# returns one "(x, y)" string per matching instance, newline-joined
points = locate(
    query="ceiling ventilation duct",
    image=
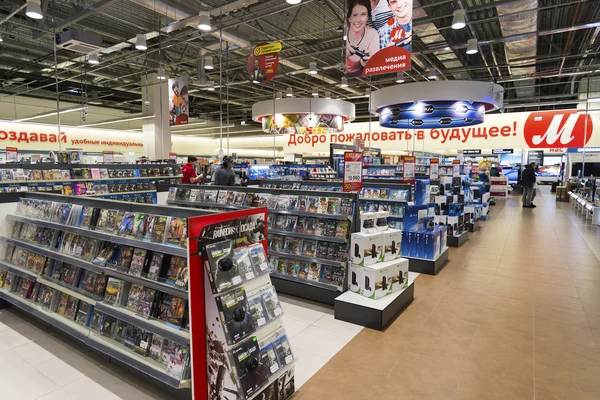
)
(523, 19)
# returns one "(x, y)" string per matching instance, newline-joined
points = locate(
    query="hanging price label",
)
(12, 154)
(408, 169)
(455, 168)
(353, 171)
(434, 169)
(108, 156)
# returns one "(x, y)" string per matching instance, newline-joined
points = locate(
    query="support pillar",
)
(156, 132)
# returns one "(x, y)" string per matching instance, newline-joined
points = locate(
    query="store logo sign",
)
(557, 129)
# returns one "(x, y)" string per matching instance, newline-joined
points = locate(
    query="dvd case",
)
(235, 315)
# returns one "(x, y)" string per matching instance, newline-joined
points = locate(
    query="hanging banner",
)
(375, 47)
(408, 169)
(434, 169)
(353, 161)
(12, 155)
(108, 156)
(263, 62)
(455, 168)
(178, 101)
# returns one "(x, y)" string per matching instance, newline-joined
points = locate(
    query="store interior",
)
(299, 199)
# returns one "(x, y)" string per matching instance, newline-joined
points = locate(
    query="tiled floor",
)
(514, 315)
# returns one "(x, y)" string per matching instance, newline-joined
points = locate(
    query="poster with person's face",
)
(379, 36)
(263, 62)
(179, 101)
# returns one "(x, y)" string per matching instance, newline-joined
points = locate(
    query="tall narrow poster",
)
(434, 169)
(455, 168)
(378, 39)
(263, 62)
(353, 161)
(179, 101)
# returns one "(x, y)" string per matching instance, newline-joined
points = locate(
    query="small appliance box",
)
(355, 278)
(366, 248)
(422, 190)
(377, 280)
(392, 241)
(400, 278)
(414, 216)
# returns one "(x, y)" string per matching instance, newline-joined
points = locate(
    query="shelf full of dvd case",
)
(375, 196)
(127, 181)
(112, 274)
(308, 234)
(249, 354)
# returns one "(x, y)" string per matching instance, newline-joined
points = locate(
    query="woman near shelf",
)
(363, 41)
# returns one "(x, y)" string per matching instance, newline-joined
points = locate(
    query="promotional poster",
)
(263, 62)
(178, 101)
(303, 123)
(378, 38)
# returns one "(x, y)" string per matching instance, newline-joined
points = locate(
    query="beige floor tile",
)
(569, 302)
(575, 334)
(475, 277)
(590, 276)
(589, 294)
(508, 320)
(470, 286)
(439, 347)
(480, 385)
(566, 354)
(492, 340)
(480, 269)
(393, 389)
(586, 284)
(506, 304)
(371, 357)
(552, 271)
(570, 291)
(447, 326)
(511, 292)
(430, 375)
(560, 314)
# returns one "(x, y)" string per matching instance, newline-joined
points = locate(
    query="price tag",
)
(434, 169)
(289, 359)
(249, 275)
(353, 171)
(236, 280)
(274, 368)
(143, 344)
(261, 321)
(455, 168)
(408, 169)
(277, 311)
(12, 154)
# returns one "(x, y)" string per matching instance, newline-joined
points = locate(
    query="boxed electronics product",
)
(381, 220)
(414, 217)
(400, 277)
(441, 201)
(368, 222)
(377, 280)
(408, 244)
(453, 225)
(354, 278)
(440, 219)
(422, 189)
(431, 210)
(366, 248)
(431, 244)
(443, 232)
(419, 241)
(392, 241)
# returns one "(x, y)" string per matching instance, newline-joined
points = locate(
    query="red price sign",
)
(434, 169)
(455, 168)
(352, 171)
(408, 169)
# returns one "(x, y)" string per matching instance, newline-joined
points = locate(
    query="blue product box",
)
(414, 217)
(419, 241)
(431, 245)
(408, 244)
(422, 189)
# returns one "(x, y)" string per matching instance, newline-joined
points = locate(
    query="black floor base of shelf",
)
(308, 292)
(4, 304)
(429, 267)
(372, 317)
(457, 241)
(472, 227)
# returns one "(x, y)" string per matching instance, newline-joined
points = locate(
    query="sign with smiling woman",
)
(378, 37)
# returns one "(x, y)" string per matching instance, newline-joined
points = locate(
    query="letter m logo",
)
(547, 129)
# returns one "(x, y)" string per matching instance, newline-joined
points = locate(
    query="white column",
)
(156, 131)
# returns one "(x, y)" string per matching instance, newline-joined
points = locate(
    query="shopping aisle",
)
(515, 314)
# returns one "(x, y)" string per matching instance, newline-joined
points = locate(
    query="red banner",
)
(353, 162)
(564, 128)
(263, 62)
(408, 169)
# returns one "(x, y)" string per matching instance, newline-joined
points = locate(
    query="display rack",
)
(294, 249)
(120, 289)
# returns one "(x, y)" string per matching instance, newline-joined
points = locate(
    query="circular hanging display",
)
(429, 105)
(303, 115)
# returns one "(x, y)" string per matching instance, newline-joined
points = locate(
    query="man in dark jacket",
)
(528, 184)
(224, 175)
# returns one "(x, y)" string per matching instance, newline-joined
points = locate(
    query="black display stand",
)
(374, 314)
(457, 241)
(308, 291)
(429, 267)
(472, 227)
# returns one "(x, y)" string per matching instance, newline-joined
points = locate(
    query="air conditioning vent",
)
(80, 41)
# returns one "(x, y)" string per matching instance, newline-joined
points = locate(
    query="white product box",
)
(368, 222)
(400, 278)
(381, 220)
(366, 248)
(355, 278)
(440, 219)
(392, 244)
(377, 280)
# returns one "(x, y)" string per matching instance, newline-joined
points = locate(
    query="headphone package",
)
(235, 315)
(222, 268)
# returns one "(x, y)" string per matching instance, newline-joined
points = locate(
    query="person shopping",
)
(224, 175)
(188, 171)
(528, 184)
